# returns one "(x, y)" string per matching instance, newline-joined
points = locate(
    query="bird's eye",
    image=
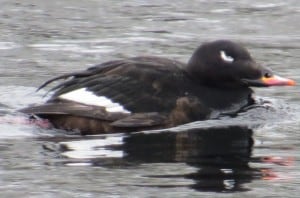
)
(225, 57)
(268, 75)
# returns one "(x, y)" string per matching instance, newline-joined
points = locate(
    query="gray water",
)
(253, 155)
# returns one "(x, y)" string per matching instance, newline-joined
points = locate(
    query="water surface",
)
(255, 154)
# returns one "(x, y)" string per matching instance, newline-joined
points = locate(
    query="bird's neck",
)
(227, 99)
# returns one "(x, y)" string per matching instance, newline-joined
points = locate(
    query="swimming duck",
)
(149, 92)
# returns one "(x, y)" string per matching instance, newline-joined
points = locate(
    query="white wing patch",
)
(89, 98)
(226, 57)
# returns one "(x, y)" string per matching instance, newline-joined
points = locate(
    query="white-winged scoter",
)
(152, 92)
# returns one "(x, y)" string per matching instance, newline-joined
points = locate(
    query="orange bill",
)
(277, 81)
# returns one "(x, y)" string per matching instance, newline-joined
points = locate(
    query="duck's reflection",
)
(192, 146)
(220, 154)
(219, 159)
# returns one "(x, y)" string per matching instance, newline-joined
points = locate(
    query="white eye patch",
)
(226, 57)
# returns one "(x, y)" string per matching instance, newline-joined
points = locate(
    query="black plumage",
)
(158, 92)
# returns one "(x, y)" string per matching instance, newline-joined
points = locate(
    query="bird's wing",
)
(131, 92)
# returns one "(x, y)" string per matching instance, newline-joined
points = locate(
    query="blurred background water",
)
(253, 155)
